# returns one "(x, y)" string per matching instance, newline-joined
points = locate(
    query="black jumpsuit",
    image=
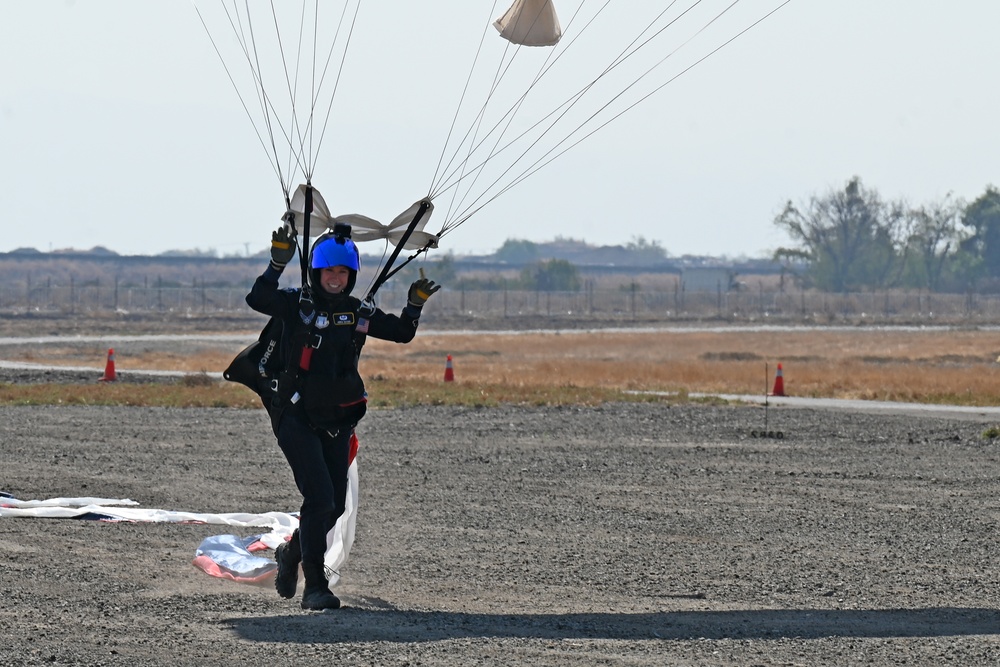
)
(318, 454)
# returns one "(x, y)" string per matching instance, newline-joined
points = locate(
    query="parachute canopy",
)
(530, 23)
(364, 228)
(519, 108)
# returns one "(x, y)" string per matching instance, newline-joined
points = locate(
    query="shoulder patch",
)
(343, 319)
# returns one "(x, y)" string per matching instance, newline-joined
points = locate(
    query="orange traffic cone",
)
(449, 371)
(779, 383)
(109, 369)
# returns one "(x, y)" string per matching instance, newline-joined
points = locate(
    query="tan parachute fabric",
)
(320, 217)
(530, 23)
(364, 228)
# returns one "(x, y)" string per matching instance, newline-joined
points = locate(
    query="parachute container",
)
(530, 23)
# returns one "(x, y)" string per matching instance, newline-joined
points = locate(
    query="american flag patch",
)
(362, 325)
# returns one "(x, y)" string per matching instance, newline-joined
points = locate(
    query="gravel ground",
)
(627, 534)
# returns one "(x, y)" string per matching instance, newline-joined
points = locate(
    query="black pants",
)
(319, 464)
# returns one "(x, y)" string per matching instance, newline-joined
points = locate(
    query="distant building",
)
(707, 278)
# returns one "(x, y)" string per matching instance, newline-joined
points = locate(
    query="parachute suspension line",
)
(547, 65)
(294, 157)
(246, 109)
(304, 146)
(271, 116)
(547, 158)
(438, 183)
(461, 101)
(300, 135)
(340, 70)
(472, 133)
(568, 104)
(295, 134)
(540, 162)
(256, 71)
(385, 250)
(311, 157)
(303, 150)
(475, 145)
(549, 62)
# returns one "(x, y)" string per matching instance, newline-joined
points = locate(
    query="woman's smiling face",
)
(334, 279)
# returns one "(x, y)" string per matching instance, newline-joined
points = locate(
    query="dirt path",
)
(628, 534)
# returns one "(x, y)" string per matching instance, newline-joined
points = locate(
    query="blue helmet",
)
(335, 249)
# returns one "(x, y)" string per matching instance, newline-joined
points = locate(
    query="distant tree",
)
(646, 252)
(441, 271)
(444, 269)
(517, 251)
(100, 250)
(934, 240)
(554, 275)
(194, 252)
(850, 239)
(982, 217)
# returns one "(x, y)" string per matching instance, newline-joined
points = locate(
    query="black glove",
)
(420, 291)
(282, 247)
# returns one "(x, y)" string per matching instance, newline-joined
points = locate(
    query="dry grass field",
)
(893, 364)
(940, 366)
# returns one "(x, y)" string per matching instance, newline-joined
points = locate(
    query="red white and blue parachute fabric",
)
(224, 556)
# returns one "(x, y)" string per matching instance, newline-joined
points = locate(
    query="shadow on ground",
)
(353, 624)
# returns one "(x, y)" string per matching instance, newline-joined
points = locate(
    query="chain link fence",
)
(625, 304)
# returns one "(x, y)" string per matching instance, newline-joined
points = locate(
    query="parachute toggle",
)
(364, 228)
(530, 23)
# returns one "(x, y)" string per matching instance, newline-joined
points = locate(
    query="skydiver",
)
(320, 395)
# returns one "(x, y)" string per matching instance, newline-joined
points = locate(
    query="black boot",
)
(317, 594)
(288, 555)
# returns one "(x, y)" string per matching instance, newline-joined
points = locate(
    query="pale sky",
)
(120, 128)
